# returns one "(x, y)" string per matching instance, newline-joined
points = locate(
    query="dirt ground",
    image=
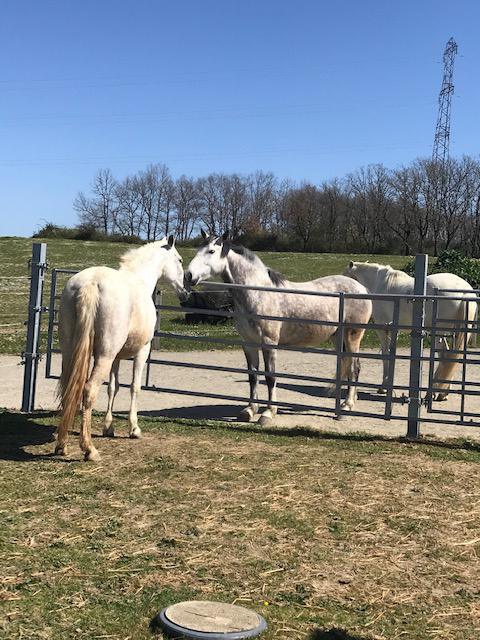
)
(316, 411)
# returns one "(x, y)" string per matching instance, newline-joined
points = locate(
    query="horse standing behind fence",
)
(238, 265)
(110, 314)
(379, 278)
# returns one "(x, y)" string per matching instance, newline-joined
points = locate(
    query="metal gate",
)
(402, 401)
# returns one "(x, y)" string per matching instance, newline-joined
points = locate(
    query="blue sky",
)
(307, 89)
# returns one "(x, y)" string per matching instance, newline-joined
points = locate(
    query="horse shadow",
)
(334, 634)
(220, 417)
(323, 392)
(18, 431)
(222, 412)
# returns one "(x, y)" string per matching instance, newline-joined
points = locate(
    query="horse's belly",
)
(140, 333)
(304, 335)
(134, 343)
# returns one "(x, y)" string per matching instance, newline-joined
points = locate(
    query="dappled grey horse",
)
(236, 264)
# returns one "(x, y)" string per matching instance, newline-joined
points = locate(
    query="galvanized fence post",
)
(31, 355)
(416, 349)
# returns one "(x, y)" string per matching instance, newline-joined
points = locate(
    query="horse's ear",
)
(226, 236)
(204, 235)
(171, 241)
(225, 249)
(350, 264)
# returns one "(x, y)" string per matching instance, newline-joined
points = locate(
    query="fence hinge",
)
(42, 265)
(31, 356)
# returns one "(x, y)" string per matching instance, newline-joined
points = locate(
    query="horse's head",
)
(173, 267)
(209, 261)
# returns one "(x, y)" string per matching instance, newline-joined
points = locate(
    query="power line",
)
(172, 158)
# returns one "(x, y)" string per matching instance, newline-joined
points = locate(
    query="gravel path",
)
(316, 411)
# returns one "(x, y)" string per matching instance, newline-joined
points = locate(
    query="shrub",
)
(83, 232)
(452, 261)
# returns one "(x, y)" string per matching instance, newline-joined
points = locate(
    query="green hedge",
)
(452, 261)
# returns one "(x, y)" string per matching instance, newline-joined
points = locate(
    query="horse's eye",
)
(212, 251)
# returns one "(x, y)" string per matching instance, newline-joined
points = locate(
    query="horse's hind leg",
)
(138, 364)
(446, 366)
(100, 371)
(353, 337)
(113, 387)
(269, 358)
(384, 345)
(252, 357)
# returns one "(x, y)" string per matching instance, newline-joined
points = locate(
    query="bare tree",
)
(129, 217)
(302, 213)
(187, 206)
(101, 210)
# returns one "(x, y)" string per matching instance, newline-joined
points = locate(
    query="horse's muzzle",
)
(189, 281)
(183, 295)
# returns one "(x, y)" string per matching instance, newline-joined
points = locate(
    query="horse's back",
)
(448, 286)
(125, 315)
(356, 309)
(448, 281)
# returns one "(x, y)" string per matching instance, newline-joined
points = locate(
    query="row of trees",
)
(421, 207)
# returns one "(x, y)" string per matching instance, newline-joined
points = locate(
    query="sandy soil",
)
(316, 411)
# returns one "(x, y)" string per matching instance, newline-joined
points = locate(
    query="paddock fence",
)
(410, 368)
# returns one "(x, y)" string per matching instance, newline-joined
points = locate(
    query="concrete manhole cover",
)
(210, 621)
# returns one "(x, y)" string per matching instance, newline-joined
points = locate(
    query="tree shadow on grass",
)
(19, 430)
(334, 634)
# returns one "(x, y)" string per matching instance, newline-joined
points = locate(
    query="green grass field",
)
(317, 532)
(78, 255)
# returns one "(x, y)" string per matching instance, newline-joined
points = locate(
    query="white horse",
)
(238, 265)
(110, 314)
(379, 278)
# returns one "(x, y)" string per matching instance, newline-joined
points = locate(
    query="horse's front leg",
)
(113, 387)
(384, 337)
(138, 364)
(252, 357)
(269, 358)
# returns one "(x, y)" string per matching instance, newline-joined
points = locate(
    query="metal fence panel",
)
(415, 391)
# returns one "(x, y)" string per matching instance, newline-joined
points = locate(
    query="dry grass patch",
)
(377, 537)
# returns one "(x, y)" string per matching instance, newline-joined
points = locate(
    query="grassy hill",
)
(74, 254)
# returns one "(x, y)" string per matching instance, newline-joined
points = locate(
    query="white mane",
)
(395, 277)
(134, 258)
(385, 274)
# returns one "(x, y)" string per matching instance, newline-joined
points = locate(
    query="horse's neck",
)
(149, 271)
(240, 270)
(370, 278)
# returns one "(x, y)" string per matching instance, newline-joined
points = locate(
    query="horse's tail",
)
(75, 369)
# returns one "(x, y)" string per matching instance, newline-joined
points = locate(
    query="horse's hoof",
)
(108, 432)
(346, 406)
(264, 421)
(92, 456)
(246, 415)
(382, 391)
(60, 450)
(441, 397)
(136, 434)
